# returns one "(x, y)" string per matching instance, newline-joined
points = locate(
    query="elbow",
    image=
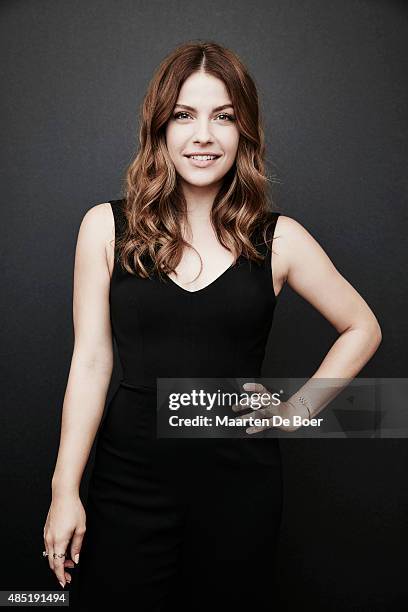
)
(377, 332)
(371, 332)
(375, 335)
(379, 338)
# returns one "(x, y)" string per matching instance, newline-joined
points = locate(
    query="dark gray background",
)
(332, 81)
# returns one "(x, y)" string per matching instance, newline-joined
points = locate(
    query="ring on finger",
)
(55, 555)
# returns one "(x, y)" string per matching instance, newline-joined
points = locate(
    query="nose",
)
(203, 131)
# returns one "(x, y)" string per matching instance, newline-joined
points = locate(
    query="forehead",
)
(203, 91)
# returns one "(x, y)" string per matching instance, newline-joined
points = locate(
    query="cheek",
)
(169, 137)
(174, 141)
(231, 144)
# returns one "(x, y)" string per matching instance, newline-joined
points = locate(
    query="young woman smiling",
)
(181, 272)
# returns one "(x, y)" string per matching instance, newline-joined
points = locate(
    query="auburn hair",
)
(153, 201)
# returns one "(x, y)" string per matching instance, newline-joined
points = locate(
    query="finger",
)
(49, 548)
(258, 414)
(248, 387)
(76, 544)
(246, 406)
(239, 407)
(59, 549)
(258, 411)
(244, 418)
(68, 577)
(255, 429)
(68, 563)
(254, 387)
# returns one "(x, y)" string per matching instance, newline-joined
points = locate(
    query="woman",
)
(170, 521)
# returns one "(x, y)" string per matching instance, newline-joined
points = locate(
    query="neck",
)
(199, 201)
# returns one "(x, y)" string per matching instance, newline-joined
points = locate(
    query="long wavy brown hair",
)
(154, 203)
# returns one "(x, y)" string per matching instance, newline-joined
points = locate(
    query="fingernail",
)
(77, 558)
(61, 583)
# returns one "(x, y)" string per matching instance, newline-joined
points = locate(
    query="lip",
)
(202, 163)
(202, 153)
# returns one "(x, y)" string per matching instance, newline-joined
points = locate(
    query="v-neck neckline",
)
(218, 278)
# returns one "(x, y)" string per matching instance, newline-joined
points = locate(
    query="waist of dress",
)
(150, 384)
(139, 386)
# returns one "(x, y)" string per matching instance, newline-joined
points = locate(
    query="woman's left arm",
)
(311, 274)
(304, 265)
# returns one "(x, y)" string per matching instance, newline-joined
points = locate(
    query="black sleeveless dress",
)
(182, 523)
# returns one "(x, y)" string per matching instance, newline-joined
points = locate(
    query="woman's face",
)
(202, 128)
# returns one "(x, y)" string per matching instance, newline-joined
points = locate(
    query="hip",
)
(129, 430)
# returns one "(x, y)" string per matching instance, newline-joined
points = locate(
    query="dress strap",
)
(265, 248)
(119, 218)
(270, 237)
(267, 263)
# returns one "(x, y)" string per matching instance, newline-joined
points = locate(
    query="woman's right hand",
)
(66, 520)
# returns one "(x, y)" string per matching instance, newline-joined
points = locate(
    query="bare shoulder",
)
(291, 241)
(98, 228)
(289, 230)
(297, 245)
(286, 234)
(98, 218)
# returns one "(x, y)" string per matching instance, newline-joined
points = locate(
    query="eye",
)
(177, 115)
(230, 117)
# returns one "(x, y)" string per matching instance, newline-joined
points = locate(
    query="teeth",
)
(203, 157)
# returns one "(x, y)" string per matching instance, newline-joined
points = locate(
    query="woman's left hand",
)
(283, 410)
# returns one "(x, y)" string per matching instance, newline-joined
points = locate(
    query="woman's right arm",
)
(87, 386)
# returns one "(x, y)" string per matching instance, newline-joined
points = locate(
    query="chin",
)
(196, 178)
(204, 182)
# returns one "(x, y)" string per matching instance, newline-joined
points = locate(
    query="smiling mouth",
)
(203, 157)
(203, 162)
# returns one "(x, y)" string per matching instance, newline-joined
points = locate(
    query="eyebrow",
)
(217, 108)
